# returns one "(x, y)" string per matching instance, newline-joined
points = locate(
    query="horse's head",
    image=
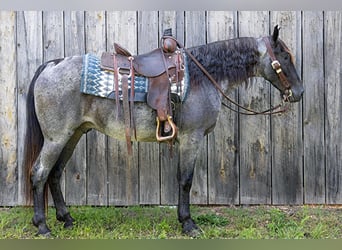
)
(277, 66)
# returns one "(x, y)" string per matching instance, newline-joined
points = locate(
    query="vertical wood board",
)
(313, 75)
(195, 34)
(76, 168)
(223, 155)
(123, 170)
(29, 57)
(287, 145)
(333, 111)
(169, 163)
(149, 167)
(97, 188)
(255, 148)
(8, 110)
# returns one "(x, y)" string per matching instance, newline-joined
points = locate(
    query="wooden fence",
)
(295, 158)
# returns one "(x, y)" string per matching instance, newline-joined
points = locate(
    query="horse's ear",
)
(275, 34)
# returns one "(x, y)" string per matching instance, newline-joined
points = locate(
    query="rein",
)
(275, 65)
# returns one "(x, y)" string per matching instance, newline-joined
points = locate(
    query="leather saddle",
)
(162, 66)
(150, 64)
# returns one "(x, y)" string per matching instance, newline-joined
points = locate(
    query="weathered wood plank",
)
(8, 110)
(195, 34)
(53, 42)
(313, 76)
(255, 148)
(123, 171)
(287, 144)
(29, 57)
(76, 168)
(53, 35)
(333, 112)
(149, 168)
(223, 163)
(169, 164)
(97, 188)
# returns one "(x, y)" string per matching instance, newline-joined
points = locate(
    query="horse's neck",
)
(233, 60)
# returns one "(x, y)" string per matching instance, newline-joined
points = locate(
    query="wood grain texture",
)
(287, 143)
(149, 167)
(313, 75)
(53, 48)
(255, 147)
(223, 154)
(76, 168)
(8, 110)
(195, 34)
(97, 188)
(29, 57)
(333, 112)
(169, 163)
(123, 170)
(53, 42)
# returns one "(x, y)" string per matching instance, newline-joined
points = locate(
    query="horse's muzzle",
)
(293, 94)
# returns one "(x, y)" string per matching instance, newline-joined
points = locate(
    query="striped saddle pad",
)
(99, 82)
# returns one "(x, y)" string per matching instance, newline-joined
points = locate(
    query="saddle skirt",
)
(100, 82)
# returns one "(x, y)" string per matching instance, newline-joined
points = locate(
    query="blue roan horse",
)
(58, 114)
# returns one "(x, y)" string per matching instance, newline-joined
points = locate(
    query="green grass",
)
(146, 222)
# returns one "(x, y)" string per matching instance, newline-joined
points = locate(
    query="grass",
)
(146, 222)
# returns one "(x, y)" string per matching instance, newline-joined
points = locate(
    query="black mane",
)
(233, 60)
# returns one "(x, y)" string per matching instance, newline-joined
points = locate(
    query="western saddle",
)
(162, 66)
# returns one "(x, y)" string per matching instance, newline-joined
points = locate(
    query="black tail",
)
(34, 138)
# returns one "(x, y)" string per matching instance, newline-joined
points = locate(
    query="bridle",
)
(277, 68)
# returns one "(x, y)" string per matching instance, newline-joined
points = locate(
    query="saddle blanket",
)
(99, 82)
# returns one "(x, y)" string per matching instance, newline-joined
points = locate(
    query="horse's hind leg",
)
(40, 172)
(62, 213)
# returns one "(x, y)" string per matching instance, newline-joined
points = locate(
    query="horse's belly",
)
(144, 129)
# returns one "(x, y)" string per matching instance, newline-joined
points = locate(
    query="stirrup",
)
(161, 138)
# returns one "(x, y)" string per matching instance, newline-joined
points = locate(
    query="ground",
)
(160, 222)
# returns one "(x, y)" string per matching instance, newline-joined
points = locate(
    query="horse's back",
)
(61, 107)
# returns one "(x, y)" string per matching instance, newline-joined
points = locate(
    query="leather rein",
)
(275, 65)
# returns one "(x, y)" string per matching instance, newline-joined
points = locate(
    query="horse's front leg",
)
(189, 147)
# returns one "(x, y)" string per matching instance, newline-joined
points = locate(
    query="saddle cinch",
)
(162, 66)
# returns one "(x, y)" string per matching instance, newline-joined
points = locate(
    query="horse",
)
(58, 114)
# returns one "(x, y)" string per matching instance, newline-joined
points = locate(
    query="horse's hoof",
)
(68, 225)
(67, 219)
(191, 229)
(46, 233)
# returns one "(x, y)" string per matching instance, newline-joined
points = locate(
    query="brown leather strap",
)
(218, 87)
(125, 104)
(132, 97)
(116, 86)
(276, 64)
